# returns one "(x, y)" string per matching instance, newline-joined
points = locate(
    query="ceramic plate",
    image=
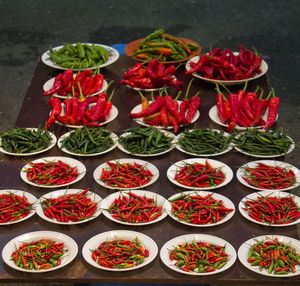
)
(160, 201)
(140, 121)
(227, 203)
(241, 172)
(72, 162)
(189, 238)
(52, 195)
(263, 67)
(49, 84)
(244, 248)
(51, 145)
(70, 244)
(113, 136)
(149, 166)
(178, 147)
(112, 57)
(292, 147)
(132, 46)
(96, 240)
(213, 115)
(254, 196)
(30, 198)
(169, 134)
(112, 115)
(173, 169)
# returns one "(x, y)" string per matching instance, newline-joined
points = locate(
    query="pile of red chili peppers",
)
(120, 253)
(225, 65)
(51, 173)
(247, 108)
(165, 111)
(272, 209)
(154, 75)
(65, 84)
(197, 209)
(199, 175)
(13, 207)
(199, 257)
(125, 175)
(135, 209)
(90, 111)
(265, 176)
(69, 207)
(41, 254)
(276, 257)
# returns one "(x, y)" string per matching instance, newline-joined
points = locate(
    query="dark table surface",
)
(35, 111)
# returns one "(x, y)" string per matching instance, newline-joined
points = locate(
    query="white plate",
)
(241, 172)
(160, 201)
(292, 147)
(113, 136)
(96, 240)
(140, 121)
(213, 115)
(149, 166)
(254, 196)
(70, 244)
(52, 195)
(112, 115)
(178, 147)
(30, 198)
(227, 203)
(49, 84)
(169, 134)
(189, 238)
(173, 169)
(70, 161)
(113, 56)
(244, 248)
(52, 144)
(263, 67)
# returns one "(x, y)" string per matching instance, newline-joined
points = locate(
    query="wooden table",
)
(35, 111)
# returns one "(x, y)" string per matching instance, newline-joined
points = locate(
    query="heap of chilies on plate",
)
(66, 84)
(226, 65)
(247, 108)
(154, 75)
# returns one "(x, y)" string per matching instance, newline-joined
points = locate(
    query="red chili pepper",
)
(153, 107)
(98, 84)
(193, 107)
(75, 107)
(56, 110)
(57, 85)
(273, 108)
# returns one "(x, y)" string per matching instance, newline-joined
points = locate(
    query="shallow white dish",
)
(51, 145)
(112, 115)
(49, 84)
(292, 147)
(241, 172)
(52, 195)
(169, 134)
(174, 168)
(113, 136)
(227, 203)
(70, 161)
(178, 147)
(160, 201)
(263, 67)
(189, 238)
(254, 196)
(30, 198)
(244, 248)
(96, 240)
(213, 115)
(113, 56)
(149, 166)
(140, 121)
(70, 244)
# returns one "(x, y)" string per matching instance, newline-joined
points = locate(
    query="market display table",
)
(35, 111)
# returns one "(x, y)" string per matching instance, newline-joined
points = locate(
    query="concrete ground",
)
(28, 27)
